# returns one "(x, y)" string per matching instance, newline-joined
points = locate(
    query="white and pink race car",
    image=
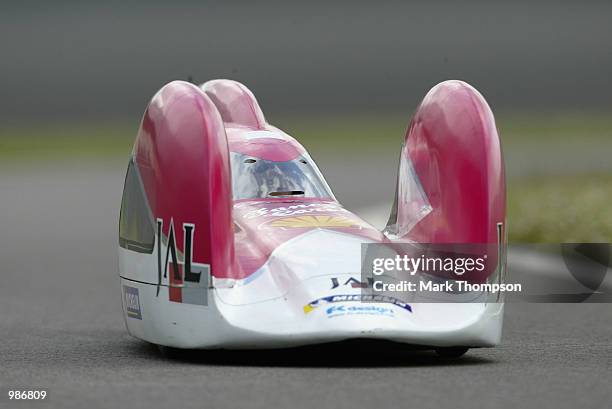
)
(230, 237)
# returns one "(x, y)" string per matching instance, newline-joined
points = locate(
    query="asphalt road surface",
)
(62, 330)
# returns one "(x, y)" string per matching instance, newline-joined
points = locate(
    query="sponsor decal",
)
(339, 310)
(352, 281)
(292, 210)
(315, 221)
(187, 280)
(132, 302)
(367, 298)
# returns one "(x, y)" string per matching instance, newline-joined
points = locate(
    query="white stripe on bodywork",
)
(264, 134)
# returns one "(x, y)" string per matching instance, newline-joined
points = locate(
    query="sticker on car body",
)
(342, 309)
(131, 299)
(364, 298)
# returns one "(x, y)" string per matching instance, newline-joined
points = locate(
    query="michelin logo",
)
(132, 302)
(366, 298)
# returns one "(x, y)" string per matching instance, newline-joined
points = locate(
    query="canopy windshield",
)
(254, 178)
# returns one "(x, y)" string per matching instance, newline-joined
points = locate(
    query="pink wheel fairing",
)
(181, 152)
(235, 102)
(453, 148)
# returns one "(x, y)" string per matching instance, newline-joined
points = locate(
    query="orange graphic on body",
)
(315, 221)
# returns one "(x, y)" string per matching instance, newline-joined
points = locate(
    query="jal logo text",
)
(180, 271)
(352, 282)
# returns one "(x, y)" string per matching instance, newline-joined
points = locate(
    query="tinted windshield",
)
(257, 178)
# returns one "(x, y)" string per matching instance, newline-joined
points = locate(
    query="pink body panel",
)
(270, 143)
(244, 119)
(453, 145)
(263, 225)
(181, 152)
(235, 102)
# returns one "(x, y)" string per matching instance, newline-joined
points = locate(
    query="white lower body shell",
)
(285, 322)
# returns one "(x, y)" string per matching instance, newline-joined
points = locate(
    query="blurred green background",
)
(559, 181)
